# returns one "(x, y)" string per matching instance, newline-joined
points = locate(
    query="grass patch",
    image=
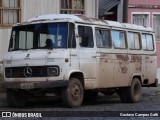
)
(1, 83)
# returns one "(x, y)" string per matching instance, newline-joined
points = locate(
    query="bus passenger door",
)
(105, 69)
(121, 69)
(121, 58)
(87, 55)
(105, 60)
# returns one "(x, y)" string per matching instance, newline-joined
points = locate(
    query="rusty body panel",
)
(106, 66)
(118, 69)
(151, 64)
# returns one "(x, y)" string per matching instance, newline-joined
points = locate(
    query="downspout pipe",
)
(125, 11)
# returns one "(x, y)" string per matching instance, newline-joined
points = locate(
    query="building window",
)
(156, 25)
(141, 19)
(10, 11)
(72, 7)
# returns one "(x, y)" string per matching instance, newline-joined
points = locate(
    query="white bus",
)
(76, 57)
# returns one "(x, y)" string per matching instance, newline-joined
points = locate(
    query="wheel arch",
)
(138, 76)
(78, 74)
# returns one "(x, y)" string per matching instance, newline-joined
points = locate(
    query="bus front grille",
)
(26, 72)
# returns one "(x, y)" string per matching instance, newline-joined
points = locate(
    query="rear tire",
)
(131, 94)
(16, 98)
(72, 95)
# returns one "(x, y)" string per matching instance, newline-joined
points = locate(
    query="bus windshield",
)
(39, 36)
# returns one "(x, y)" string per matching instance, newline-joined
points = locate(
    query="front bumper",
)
(35, 85)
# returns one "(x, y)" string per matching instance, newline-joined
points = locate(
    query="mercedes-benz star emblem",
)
(27, 72)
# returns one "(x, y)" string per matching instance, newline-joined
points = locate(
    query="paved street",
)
(149, 102)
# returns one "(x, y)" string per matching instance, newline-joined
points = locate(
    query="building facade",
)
(16, 11)
(112, 10)
(147, 13)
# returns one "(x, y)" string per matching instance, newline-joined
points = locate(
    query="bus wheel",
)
(72, 95)
(131, 94)
(16, 98)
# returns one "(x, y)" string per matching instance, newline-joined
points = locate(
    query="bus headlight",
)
(52, 71)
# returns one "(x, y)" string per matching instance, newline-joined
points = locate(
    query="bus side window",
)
(118, 38)
(102, 38)
(85, 36)
(134, 40)
(150, 42)
(147, 42)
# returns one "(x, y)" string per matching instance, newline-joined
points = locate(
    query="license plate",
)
(26, 85)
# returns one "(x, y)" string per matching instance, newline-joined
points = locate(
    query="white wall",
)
(158, 75)
(31, 8)
(90, 8)
(4, 41)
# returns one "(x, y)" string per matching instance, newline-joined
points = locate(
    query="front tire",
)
(72, 95)
(131, 94)
(16, 98)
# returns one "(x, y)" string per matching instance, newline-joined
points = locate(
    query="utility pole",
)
(125, 11)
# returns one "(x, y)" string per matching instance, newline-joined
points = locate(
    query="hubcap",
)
(136, 90)
(75, 93)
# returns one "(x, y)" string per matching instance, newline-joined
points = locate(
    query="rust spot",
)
(123, 62)
(138, 66)
(122, 57)
(136, 58)
(102, 55)
(104, 58)
(123, 67)
(147, 57)
(105, 61)
(92, 20)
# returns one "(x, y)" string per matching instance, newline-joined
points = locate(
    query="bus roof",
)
(84, 19)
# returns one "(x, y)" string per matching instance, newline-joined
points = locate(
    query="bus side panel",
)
(105, 72)
(137, 66)
(121, 69)
(151, 68)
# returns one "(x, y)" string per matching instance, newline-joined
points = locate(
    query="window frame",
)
(146, 41)
(155, 13)
(140, 41)
(125, 36)
(72, 10)
(69, 43)
(141, 13)
(79, 42)
(3, 8)
(110, 38)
